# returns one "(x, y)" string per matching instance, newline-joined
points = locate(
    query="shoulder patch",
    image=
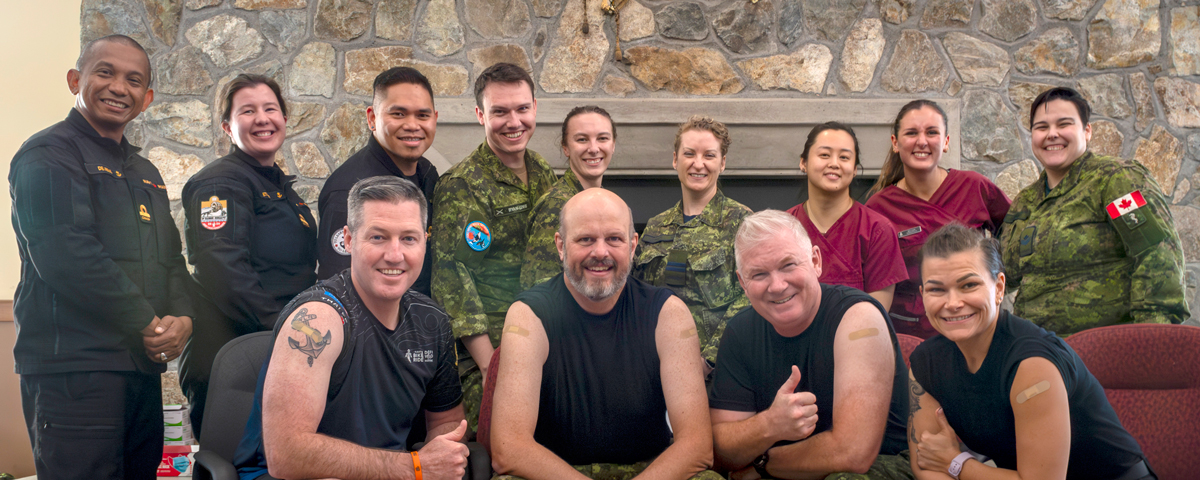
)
(338, 239)
(478, 236)
(214, 213)
(1125, 204)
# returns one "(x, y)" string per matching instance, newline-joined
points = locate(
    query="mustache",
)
(606, 262)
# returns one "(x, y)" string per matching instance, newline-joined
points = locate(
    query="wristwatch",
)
(760, 464)
(957, 464)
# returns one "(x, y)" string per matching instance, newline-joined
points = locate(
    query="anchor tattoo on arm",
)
(314, 342)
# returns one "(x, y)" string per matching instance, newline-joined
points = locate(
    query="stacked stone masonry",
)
(1137, 61)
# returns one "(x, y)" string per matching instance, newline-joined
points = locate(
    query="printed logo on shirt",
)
(142, 212)
(419, 356)
(338, 239)
(910, 232)
(478, 236)
(214, 212)
(1127, 203)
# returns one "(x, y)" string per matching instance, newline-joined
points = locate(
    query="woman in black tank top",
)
(1003, 386)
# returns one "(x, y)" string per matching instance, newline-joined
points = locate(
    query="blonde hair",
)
(707, 124)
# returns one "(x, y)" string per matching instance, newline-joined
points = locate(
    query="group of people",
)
(762, 345)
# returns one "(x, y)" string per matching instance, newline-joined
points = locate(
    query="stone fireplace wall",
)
(1137, 61)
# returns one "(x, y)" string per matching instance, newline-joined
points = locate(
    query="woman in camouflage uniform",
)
(588, 140)
(1091, 242)
(689, 248)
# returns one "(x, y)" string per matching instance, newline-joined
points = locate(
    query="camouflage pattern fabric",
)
(885, 467)
(1078, 266)
(481, 209)
(472, 386)
(541, 255)
(709, 284)
(612, 471)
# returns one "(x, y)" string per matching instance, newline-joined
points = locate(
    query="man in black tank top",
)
(594, 363)
(782, 363)
(358, 357)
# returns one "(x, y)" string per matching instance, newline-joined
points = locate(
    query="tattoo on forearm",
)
(314, 342)
(915, 391)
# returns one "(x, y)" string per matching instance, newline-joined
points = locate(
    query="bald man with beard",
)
(599, 361)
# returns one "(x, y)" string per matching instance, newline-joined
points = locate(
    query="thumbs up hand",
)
(938, 448)
(793, 415)
(444, 458)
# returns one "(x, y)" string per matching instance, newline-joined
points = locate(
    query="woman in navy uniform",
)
(250, 238)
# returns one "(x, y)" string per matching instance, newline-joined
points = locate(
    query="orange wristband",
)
(416, 465)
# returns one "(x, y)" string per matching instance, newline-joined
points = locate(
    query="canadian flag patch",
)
(1127, 203)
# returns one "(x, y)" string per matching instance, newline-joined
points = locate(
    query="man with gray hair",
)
(358, 356)
(783, 363)
(594, 364)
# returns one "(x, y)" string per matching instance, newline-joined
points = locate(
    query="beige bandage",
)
(864, 333)
(1033, 391)
(688, 332)
(517, 330)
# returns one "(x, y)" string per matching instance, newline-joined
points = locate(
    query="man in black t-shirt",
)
(783, 363)
(593, 360)
(358, 357)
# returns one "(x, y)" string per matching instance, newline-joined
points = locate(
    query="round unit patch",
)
(338, 239)
(478, 236)
(213, 213)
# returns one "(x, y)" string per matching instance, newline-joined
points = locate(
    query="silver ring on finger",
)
(163, 356)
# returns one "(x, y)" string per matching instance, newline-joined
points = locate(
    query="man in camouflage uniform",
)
(709, 284)
(541, 256)
(1098, 249)
(481, 208)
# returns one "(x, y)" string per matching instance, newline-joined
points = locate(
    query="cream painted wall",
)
(40, 42)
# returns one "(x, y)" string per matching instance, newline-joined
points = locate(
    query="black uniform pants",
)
(94, 424)
(210, 332)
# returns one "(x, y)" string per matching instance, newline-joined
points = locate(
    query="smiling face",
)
(403, 121)
(112, 87)
(386, 251)
(596, 246)
(256, 123)
(589, 146)
(962, 300)
(831, 161)
(1059, 137)
(921, 139)
(698, 161)
(508, 117)
(780, 276)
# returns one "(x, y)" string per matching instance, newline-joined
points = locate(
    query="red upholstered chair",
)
(1151, 375)
(908, 343)
(484, 435)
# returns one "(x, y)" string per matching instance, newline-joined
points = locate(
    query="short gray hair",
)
(765, 225)
(384, 188)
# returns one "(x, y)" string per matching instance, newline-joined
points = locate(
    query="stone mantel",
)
(768, 133)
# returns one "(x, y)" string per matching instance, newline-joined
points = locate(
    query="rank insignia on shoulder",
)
(302, 220)
(214, 213)
(1127, 203)
(478, 236)
(143, 213)
(338, 239)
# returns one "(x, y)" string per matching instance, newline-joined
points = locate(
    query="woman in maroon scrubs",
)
(919, 197)
(857, 245)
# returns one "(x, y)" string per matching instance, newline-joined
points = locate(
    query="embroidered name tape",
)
(1128, 203)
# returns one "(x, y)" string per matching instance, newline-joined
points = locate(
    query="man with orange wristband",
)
(358, 358)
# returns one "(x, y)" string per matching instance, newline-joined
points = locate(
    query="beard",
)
(598, 290)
